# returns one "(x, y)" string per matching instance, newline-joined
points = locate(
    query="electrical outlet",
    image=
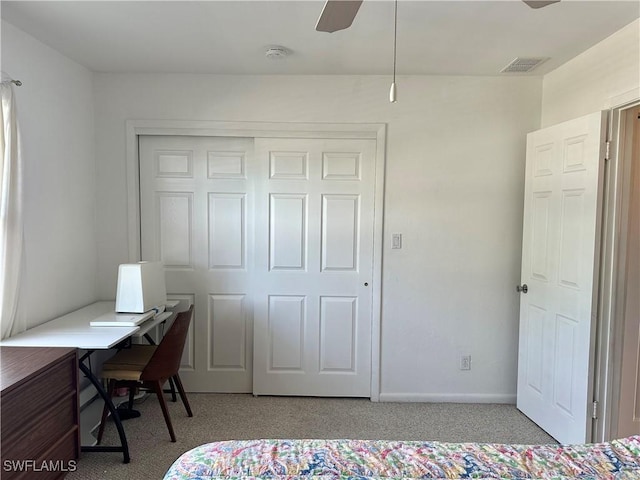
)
(465, 362)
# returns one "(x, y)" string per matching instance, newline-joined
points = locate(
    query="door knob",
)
(522, 288)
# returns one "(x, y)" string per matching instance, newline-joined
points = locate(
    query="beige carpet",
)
(224, 417)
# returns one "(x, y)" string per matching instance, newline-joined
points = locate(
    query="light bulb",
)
(392, 93)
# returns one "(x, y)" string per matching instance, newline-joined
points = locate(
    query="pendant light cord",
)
(392, 90)
(395, 38)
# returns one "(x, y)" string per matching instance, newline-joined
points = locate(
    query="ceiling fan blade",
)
(539, 3)
(337, 15)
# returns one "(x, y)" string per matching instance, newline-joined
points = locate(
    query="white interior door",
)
(314, 265)
(562, 209)
(196, 217)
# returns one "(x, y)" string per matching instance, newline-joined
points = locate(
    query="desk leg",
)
(124, 448)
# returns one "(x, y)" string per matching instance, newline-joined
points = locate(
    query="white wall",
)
(454, 187)
(589, 82)
(55, 113)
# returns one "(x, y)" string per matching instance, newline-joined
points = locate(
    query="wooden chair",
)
(150, 367)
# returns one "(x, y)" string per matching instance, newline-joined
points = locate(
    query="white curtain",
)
(11, 226)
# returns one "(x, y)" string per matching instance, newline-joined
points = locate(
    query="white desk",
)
(74, 330)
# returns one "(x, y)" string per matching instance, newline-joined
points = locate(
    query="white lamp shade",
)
(141, 287)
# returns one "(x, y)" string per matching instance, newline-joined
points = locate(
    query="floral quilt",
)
(379, 459)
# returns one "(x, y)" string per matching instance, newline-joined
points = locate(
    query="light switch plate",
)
(396, 241)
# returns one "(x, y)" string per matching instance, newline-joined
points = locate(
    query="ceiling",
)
(453, 37)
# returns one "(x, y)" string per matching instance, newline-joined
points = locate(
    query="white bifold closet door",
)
(271, 235)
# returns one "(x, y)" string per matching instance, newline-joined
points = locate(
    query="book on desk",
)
(112, 319)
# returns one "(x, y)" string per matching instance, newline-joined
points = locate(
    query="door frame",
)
(375, 131)
(610, 327)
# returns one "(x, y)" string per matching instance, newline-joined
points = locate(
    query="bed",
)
(380, 459)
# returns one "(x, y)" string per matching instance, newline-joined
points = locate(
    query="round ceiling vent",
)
(276, 53)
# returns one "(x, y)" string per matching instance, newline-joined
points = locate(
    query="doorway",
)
(616, 402)
(626, 406)
(614, 409)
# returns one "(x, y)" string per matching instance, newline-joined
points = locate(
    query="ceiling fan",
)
(339, 14)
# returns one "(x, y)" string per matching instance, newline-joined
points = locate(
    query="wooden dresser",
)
(40, 435)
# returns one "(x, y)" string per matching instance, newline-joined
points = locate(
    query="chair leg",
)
(183, 395)
(105, 410)
(132, 394)
(157, 386)
(173, 390)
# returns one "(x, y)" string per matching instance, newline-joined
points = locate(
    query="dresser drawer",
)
(38, 432)
(40, 393)
(55, 463)
(39, 412)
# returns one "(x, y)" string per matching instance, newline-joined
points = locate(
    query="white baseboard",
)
(448, 398)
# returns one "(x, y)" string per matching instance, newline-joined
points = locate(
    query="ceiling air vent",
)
(521, 65)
